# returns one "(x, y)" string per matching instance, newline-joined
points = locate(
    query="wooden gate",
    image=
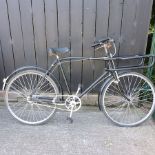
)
(29, 27)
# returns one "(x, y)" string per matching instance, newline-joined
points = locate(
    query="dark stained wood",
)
(6, 43)
(51, 29)
(134, 33)
(39, 32)
(76, 42)
(129, 27)
(88, 39)
(64, 33)
(16, 33)
(115, 20)
(51, 26)
(102, 23)
(142, 27)
(27, 27)
(2, 70)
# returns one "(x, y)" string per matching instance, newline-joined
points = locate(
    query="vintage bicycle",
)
(127, 98)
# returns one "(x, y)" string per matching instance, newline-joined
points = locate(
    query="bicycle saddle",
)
(58, 50)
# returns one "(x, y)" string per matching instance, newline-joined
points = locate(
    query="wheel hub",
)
(29, 99)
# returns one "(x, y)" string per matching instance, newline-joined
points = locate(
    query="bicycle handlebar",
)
(100, 42)
(105, 43)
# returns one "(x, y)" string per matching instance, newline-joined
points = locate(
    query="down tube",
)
(95, 83)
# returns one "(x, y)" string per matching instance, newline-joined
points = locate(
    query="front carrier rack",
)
(137, 62)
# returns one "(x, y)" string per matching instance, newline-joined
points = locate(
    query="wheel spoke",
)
(139, 106)
(19, 100)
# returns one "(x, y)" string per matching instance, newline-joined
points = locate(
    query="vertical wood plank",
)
(52, 30)
(128, 32)
(102, 17)
(88, 39)
(115, 21)
(64, 33)
(51, 26)
(6, 38)
(27, 27)
(135, 29)
(2, 70)
(16, 32)
(76, 42)
(143, 22)
(39, 32)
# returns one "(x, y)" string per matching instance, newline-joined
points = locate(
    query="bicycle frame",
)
(111, 71)
(104, 76)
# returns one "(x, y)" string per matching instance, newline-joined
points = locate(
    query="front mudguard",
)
(102, 89)
(5, 80)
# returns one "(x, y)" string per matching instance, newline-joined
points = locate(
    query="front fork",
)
(116, 77)
(112, 66)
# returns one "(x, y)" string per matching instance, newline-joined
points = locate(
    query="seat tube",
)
(64, 76)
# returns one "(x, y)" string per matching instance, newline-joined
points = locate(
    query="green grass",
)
(152, 22)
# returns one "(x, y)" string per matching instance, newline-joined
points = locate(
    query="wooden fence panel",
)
(51, 26)
(115, 20)
(88, 39)
(39, 32)
(29, 27)
(102, 24)
(16, 32)
(129, 27)
(51, 13)
(142, 27)
(2, 70)
(134, 29)
(64, 34)
(76, 41)
(5, 37)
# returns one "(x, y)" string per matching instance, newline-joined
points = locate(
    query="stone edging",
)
(89, 100)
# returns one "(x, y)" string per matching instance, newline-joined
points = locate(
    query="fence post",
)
(150, 70)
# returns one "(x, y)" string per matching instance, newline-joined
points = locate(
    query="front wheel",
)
(129, 101)
(22, 104)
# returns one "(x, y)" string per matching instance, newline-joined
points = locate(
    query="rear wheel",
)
(130, 101)
(20, 101)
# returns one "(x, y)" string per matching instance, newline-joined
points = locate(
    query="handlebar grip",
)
(96, 44)
(101, 41)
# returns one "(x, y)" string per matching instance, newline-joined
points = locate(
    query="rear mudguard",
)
(5, 80)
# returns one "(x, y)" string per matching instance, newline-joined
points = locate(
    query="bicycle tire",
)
(127, 77)
(19, 87)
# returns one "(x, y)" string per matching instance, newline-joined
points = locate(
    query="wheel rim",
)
(20, 103)
(130, 101)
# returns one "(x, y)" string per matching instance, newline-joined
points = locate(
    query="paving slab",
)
(90, 134)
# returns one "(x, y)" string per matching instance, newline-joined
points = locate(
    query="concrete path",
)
(90, 134)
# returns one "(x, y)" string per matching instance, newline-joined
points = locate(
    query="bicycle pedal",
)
(70, 119)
